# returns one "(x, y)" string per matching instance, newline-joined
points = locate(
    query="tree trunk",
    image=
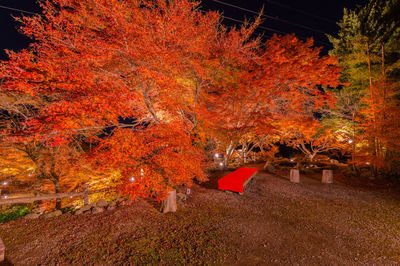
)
(373, 98)
(383, 60)
(229, 152)
(244, 153)
(311, 157)
(266, 165)
(57, 189)
(353, 154)
(369, 66)
(86, 195)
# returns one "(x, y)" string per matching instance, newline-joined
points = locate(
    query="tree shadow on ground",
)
(6, 262)
(213, 178)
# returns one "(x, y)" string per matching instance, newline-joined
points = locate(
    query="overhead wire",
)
(271, 17)
(19, 10)
(273, 30)
(300, 11)
(223, 16)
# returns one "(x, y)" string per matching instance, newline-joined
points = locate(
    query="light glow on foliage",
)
(175, 75)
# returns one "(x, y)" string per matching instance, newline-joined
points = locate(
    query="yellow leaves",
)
(16, 165)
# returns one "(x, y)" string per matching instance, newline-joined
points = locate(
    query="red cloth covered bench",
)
(237, 180)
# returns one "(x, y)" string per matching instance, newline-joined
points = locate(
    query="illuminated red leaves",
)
(153, 159)
(169, 71)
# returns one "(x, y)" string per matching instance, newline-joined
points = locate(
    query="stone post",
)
(327, 176)
(169, 204)
(2, 251)
(294, 176)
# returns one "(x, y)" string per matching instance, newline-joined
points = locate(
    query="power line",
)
(242, 22)
(225, 17)
(270, 29)
(261, 27)
(19, 10)
(271, 17)
(300, 11)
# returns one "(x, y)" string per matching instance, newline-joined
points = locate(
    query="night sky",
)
(284, 16)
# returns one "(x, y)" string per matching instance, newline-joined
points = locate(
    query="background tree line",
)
(138, 93)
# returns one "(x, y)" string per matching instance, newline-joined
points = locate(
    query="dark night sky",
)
(319, 15)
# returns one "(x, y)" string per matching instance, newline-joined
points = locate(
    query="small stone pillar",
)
(2, 251)
(294, 176)
(327, 176)
(169, 204)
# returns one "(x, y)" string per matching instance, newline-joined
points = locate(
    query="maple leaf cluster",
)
(138, 85)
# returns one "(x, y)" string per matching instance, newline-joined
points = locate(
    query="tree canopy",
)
(139, 86)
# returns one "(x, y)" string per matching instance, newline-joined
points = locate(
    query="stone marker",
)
(294, 176)
(32, 216)
(97, 210)
(52, 214)
(2, 250)
(102, 203)
(327, 176)
(169, 204)
(77, 212)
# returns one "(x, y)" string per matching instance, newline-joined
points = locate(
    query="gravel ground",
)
(275, 222)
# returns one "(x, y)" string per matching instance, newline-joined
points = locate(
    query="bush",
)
(13, 213)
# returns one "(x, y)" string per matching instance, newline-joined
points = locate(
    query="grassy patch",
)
(13, 213)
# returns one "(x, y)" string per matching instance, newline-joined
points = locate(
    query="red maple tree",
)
(150, 64)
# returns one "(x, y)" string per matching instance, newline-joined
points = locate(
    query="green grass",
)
(13, 213)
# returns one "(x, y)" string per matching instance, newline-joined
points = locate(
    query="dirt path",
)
(275, 222)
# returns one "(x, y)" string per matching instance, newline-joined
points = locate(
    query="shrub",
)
(13, 213)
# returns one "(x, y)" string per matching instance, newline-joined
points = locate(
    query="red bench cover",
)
(234, 181)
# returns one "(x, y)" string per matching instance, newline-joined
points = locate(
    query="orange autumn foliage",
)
(153, 159)
(380, 127)
(275, 85)
(139, 84)
(106, 72)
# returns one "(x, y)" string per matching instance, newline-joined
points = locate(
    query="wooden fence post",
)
(86, 194)
(327, 176)
(294, 176)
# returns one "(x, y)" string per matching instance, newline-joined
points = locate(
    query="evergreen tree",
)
(367, 47)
